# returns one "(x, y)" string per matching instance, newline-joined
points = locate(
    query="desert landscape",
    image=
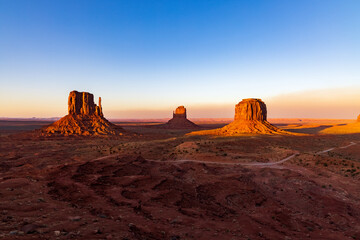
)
(179, 120)
(292, 181)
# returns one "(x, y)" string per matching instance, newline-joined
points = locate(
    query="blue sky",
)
(151, 56)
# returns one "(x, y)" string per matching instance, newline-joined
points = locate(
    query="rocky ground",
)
(167, 185)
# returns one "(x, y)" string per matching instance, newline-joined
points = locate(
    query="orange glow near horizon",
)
(341, 103)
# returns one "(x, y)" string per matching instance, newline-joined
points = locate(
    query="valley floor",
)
(163, 184)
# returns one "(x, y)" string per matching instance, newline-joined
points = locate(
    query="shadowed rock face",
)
(84, 118)
(250, 109)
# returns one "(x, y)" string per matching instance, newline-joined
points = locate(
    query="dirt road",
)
(259, 164)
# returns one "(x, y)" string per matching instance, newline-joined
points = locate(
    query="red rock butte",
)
(250, 109)
(179, 121)
(358, 118)
(250, 118)
(82, 103)
(84, 118)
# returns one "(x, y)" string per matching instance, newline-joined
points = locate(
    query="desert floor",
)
(162, 184)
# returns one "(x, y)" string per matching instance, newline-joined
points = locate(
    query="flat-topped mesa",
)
(250, 118)
(83, 103)
(251, 109)
(179, 121)
(180, 112)
(84, 118)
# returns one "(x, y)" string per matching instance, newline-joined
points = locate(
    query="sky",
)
(145, 58)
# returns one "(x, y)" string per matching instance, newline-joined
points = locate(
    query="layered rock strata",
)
(250, 118)
(84, 118)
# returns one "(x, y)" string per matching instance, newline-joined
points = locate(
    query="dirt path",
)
(271, 163)
(330, 149)
(244, 164)
(325, 151)
(228, 163)
(259, 164)
(351, 144)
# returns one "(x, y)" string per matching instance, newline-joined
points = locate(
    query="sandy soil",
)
(161, 184)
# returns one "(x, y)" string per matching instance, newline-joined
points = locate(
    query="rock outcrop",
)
(250, 118)
(82, 103)
(180, 112)
(358, 119)
(250, 109)
(84, 118)
(179, 121)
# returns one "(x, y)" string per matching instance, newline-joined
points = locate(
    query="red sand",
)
(99, 187)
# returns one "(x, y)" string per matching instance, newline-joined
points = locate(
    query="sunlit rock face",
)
(358, 119)
(250, 118)
(180, 112)
(83, 103)
(250, 109)
(84, 118)
(179, 121)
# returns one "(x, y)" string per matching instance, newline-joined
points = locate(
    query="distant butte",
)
(179, 121)
(250, 118)
(84, 118)
(358, 118)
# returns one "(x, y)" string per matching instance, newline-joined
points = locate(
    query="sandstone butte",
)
(179, 121)
(84, 118)
(250, 118)
(358, 118)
